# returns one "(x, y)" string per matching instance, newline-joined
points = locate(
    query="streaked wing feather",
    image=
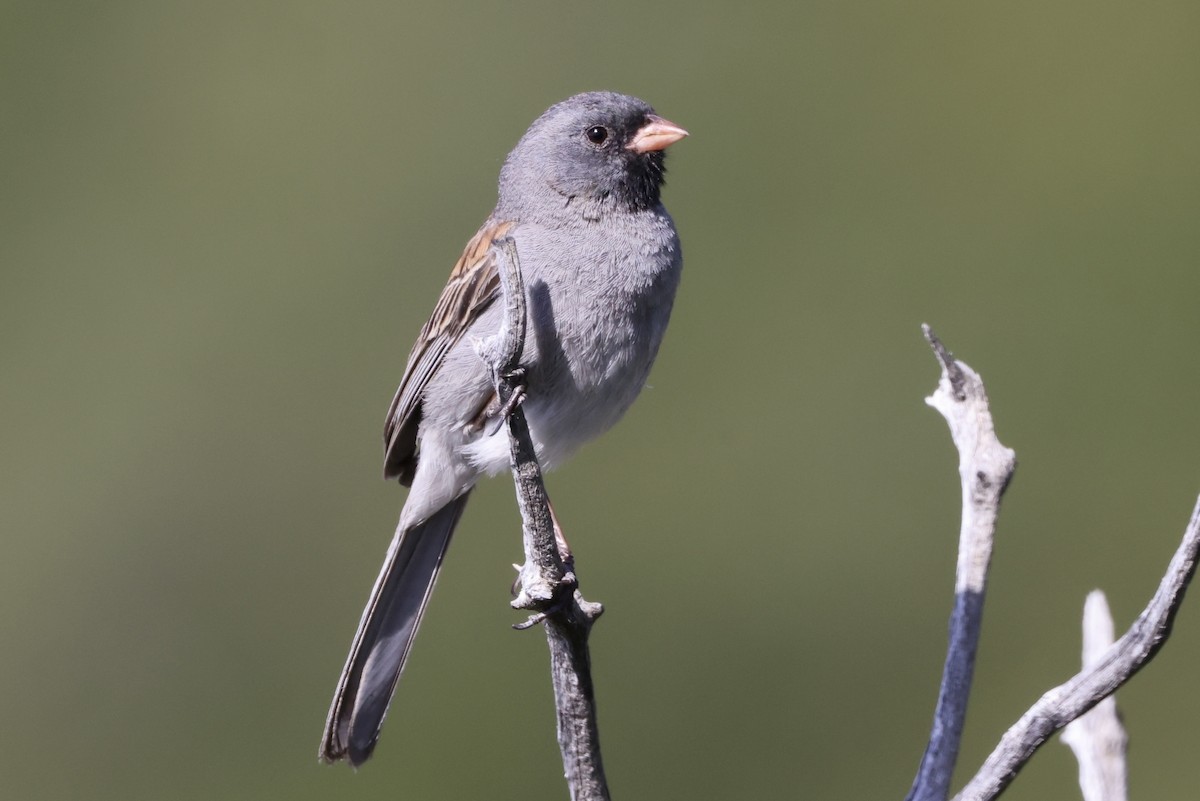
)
(473, 284)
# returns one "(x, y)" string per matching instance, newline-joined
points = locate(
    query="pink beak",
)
(656, 134)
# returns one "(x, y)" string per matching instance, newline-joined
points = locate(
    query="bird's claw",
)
(517, 379)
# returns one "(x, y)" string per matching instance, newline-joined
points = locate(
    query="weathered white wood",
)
(985, 467)
(1098, 738)
(1117, 665)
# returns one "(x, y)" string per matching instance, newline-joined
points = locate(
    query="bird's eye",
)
(597, 134)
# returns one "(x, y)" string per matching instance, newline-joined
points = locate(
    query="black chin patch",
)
(643, 181)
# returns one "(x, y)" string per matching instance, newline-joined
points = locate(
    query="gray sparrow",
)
(579, 196)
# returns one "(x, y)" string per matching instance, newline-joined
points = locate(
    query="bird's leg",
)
(514, 400)
(564, 549)
(564, 553)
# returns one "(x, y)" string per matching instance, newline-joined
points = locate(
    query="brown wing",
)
(474, 283)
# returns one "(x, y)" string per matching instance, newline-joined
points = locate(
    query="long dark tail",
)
(385, 635)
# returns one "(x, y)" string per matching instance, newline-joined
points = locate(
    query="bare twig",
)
(1119, 663)
(985, 467)
(1098, 738)
(547, 586)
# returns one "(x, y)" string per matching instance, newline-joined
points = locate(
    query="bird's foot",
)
(516, 379)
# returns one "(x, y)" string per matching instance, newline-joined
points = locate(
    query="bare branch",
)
(1098, 738)
(1119, 663)
(547, 585)
(985, 467)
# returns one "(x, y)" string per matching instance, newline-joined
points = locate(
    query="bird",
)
(579, 196)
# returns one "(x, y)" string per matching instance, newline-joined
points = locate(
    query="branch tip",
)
(951, 367)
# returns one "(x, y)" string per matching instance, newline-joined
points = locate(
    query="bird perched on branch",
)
(579, 196)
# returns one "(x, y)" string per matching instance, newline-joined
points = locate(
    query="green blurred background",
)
(221, 225)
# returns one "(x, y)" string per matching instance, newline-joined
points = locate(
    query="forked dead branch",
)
(985, 467)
